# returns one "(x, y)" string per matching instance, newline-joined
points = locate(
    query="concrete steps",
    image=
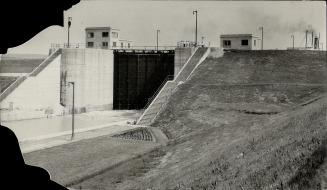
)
(186, 71)
(35, 72)
(45, 63)
(160, 101)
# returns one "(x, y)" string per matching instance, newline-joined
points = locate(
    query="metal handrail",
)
(162, 104)
(44, 63)
(169, 77)
(12, 87)
(84, 45)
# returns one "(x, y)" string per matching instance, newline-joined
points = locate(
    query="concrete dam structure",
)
(104, 80)
(92, 72)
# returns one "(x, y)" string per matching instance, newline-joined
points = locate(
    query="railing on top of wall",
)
(83, 45)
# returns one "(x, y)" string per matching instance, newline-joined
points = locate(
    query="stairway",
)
(45, 63)
(161, 99)
(35, 72)
(151, 112)
(189, 66)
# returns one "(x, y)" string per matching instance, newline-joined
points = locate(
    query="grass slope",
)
(243, 121)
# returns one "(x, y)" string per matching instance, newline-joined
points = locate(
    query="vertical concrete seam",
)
(181, 69)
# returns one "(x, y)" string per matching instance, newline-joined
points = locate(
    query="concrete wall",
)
(257, 44)
(92, 72)
(36, 96)
(182, 54)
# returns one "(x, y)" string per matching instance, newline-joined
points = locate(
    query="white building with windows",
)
(105, 38)
(240, 41)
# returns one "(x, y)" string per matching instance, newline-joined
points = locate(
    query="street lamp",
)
(69, 24)
(196, 27)
(158, 39)
(73, 109)
(292, 36)
(202, 40)
(261, 28)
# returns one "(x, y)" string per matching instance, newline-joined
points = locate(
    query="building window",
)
(105, 34)
(245, 42)
(90, 44)
(129, 45)
(115, 34)
(114, 44)
(122, 45)
(90, 35)
(105, 44)
(227, 43)
(254, 42)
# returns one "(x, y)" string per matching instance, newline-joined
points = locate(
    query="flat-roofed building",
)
(123, 44)
(105, 38)
(240, 41)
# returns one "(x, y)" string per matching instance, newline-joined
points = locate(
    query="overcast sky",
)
(139, 20)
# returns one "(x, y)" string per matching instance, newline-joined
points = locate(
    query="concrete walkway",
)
(39, 144)
(61, 125)
(38, 134)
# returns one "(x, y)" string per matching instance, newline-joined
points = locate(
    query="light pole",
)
(73, 109)
(292, 36)
(158, 39)
(196, 27)
(69, 24)
(261, 28)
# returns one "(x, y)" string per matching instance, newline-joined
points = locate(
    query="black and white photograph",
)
(163, 95)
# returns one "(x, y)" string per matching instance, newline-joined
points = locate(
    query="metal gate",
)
(138, 75)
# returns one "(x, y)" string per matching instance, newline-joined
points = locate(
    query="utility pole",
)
(69, 24)
(306, 38)
(319, 41)
(196, 27)
(261, 28)
(292, 36)
(312, 39)
(73, 110)
(158, 39)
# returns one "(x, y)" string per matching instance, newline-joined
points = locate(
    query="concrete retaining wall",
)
(92, 72)
(182, 54)
(36, 97)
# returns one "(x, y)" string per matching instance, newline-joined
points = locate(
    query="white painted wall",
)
(92, 72)
(31, 98)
